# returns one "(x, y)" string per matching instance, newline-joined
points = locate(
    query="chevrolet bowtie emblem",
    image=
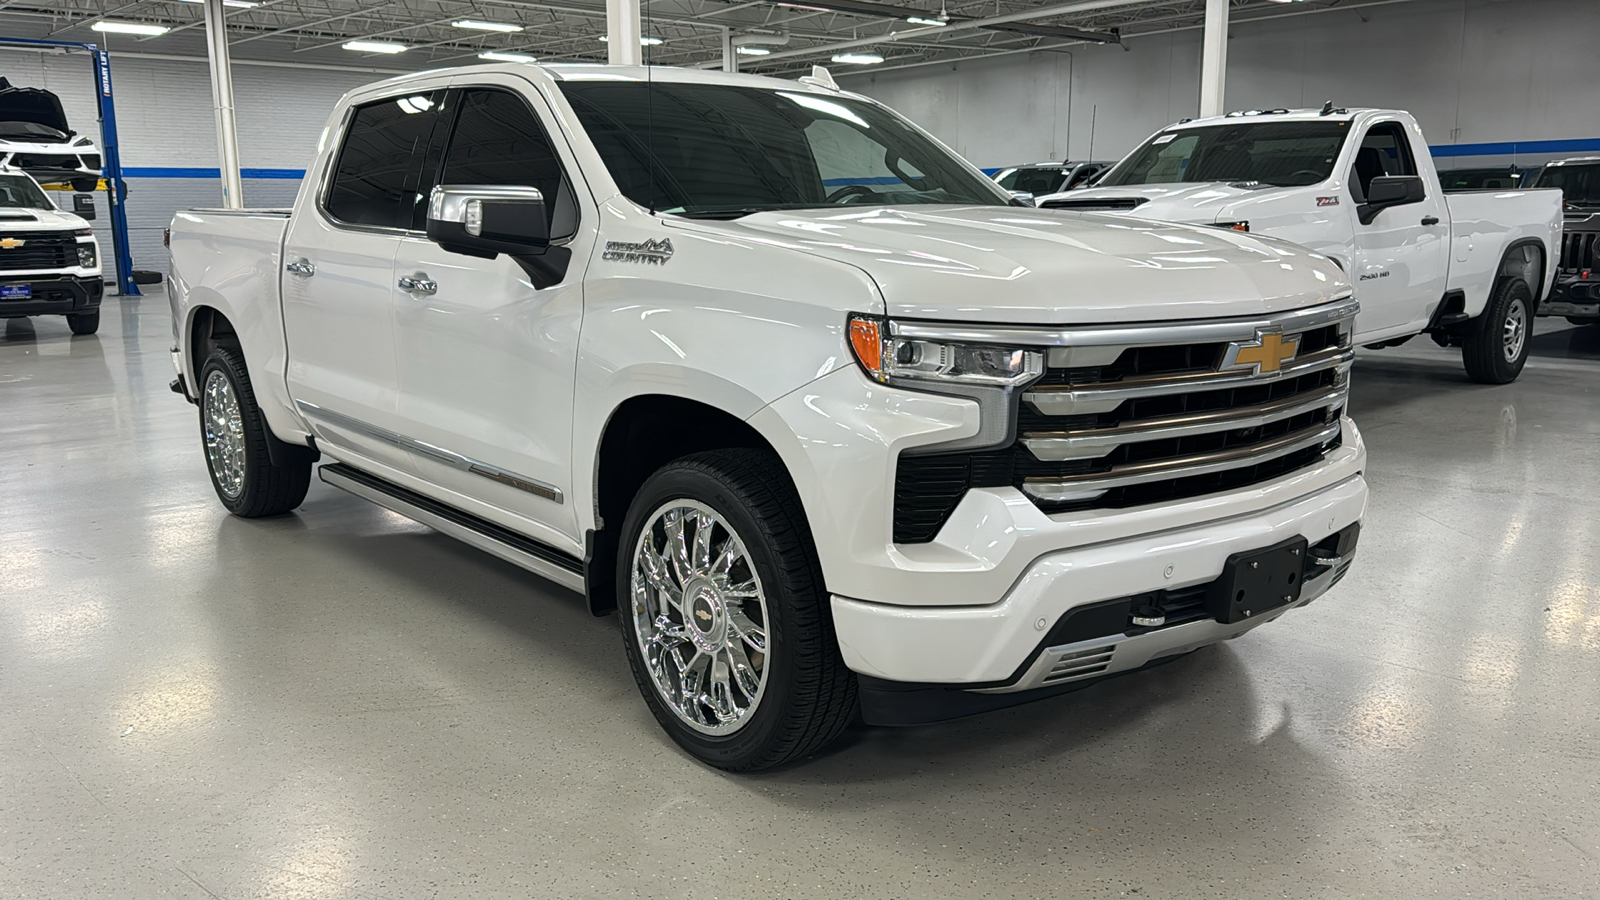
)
(702, 614)
(10, 243)
(1269, 352)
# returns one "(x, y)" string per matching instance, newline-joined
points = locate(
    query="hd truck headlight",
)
(86, 256)
(988, 373)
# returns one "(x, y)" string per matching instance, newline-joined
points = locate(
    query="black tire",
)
(85, 184)
(265, 489)
(809, 696)
(1488, 351)
(84, 323)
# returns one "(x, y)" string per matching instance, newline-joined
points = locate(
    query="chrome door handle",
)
(301, 267)
(419, 284)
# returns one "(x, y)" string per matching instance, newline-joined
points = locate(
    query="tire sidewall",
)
(1512, 290)
(222, 361)
(680, 481)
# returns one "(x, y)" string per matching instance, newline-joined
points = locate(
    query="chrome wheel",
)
(1515, 330)
(700, 616)
(223, 431)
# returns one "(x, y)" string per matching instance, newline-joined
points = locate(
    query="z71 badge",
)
(651, 252)
(1327, 201)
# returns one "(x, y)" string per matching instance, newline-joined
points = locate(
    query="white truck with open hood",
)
(833, 421)
(1359, 186)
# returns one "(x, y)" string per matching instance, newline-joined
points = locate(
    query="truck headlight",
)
(894, 360)
(86, 257)
(990, 374)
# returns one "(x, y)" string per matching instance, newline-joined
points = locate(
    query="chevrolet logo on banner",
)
(11, 243)
(1269, 352)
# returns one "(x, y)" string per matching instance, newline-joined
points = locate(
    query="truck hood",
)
(1048, 267)
(12, 219)
(1201, 203)
(35, 105)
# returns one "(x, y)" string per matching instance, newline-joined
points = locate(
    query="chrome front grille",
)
(1131, 415)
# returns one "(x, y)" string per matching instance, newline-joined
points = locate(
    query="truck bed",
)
(1484, 223)
(232, 260)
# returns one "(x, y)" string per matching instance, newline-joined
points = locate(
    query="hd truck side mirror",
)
(83, 206)
(485, 220)
(1390, 190)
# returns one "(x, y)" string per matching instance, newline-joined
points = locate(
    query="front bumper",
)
(1005, 647)
(54, 295)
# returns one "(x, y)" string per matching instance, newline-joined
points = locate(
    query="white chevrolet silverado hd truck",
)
(49, 259)
(833, 421)
(1359, 186)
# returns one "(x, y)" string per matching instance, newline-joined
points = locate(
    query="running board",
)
(517, 549)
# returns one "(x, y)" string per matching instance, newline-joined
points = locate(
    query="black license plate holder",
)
(1258, 581)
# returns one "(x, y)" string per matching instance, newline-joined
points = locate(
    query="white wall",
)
(1473, 71)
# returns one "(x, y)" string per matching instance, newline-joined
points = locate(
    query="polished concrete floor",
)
(340, 703)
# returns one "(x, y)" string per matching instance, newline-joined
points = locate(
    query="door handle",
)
(301, 267)
(1430, 220)
(419, 284)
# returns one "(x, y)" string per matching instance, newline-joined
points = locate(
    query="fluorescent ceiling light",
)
(644, 41)
(236, 4)
(751, 51)
(919, 20)
(503, 56)
(475, 25)
(858, 59)
(130, 28)
(375, 47)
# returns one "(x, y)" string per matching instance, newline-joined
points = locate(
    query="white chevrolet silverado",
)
(835, 422)
(49, 259)
(1358, 185)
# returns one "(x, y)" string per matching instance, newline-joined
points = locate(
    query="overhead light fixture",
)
(774, 40)
(919, 20)
(236, 4)
(130, 28)
(644, 41)
(504, 56)
(375, 47)
(751, 51)
(858, 59)
(475, 25)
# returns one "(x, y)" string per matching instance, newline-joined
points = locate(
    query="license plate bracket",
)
(1258, 581)
(16, 292)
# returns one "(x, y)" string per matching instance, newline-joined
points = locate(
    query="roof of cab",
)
(581, 72)
(1287, 115)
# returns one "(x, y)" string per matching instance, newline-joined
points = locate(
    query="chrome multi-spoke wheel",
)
(222, 425)
(1515, 330)
(700, 615)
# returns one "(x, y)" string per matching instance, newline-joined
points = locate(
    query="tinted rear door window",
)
(377, 178)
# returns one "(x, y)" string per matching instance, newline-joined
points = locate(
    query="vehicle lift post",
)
(110, 151)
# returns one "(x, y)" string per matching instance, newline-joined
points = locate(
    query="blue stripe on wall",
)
(201, 172)
(1508, 148)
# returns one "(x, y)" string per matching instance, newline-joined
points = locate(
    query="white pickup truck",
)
(1359, 186)
(49, 259)
(834, 421)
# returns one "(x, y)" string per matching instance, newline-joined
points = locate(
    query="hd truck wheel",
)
(1497, 342)
(724, 615)
(84, 323)
(234, 438)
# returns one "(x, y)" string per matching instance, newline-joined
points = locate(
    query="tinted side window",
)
(375, 181)
(498, 140)
(1384, 151)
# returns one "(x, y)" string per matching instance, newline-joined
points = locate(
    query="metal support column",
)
(730, 57)
(111, 170)
(622, 33)
(1214, 59)
(222, 101)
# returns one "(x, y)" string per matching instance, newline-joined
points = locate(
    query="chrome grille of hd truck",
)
(1131, 415)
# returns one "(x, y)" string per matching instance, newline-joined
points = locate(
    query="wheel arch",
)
(643, 433)
(1524, 258)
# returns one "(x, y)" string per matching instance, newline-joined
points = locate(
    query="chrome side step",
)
(517, 549)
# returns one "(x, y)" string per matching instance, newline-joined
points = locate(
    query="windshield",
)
(1580, 185)
(1283, 154)
(720, 151)
(20, 192)
(32, 131)
(1034, 179)
(1479, 179)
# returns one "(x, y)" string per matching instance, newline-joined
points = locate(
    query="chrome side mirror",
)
(485, 220)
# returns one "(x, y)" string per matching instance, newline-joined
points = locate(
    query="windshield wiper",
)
(720, 214)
